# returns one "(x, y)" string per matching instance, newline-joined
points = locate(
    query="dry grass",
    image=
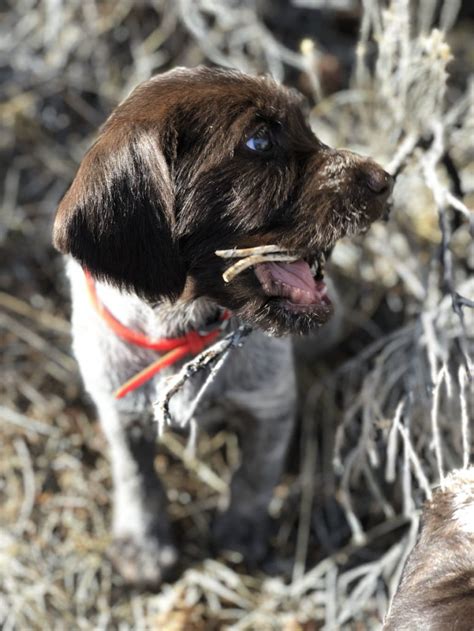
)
(384, 415)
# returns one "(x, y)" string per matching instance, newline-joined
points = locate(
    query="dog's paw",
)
(144, 563)
(243, 534)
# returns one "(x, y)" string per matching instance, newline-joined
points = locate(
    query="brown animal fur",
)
(170, 181)
(436, 592)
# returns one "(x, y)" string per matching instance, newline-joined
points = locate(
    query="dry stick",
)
(447, 261)
(442, 198)
(453, 175)
(229, 576)
(417, 469)
(448, 380)
(39, 343)
(191, 448)
(29, 424)
(392, 443)
(409, 544)
(204, 579)
(435, 425)
(308, 441)
(370, 573)
(466, 437)
(215, 352)
(464, 302)
(402, 154)
(28, 485)
(376, 491)
(212, 375)
(331, 599)
(406, 481)
(433, 347)
(200, 469)
(44, 318)
(193, 435)
(358, 534)
(235, 253)
(253, 256)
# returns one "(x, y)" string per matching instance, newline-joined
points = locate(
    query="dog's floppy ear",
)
(116, 219)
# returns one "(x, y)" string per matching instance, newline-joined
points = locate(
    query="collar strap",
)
(176, 348)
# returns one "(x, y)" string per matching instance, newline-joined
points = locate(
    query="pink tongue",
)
(295, 274)
(291, 280)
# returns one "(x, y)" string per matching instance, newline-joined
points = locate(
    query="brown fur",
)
(170, 181)
(436, 592)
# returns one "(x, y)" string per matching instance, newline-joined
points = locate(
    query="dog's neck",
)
(177, 318)
(165, 319)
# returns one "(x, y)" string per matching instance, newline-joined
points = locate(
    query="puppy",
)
(436, 591)
(196, 161)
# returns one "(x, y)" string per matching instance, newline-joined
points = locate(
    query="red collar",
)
(176, 348)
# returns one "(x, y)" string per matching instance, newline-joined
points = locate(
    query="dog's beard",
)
(276, 319)
(283, 298)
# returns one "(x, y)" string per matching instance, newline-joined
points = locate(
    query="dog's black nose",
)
(378, 181)
(377, 185)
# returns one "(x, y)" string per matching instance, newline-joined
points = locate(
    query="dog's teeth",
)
(318, 265)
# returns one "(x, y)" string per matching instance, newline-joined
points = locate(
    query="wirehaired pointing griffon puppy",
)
(192, 163)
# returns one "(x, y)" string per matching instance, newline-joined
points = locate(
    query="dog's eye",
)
(260, 141)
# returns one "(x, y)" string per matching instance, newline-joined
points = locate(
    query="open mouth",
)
(294, 280)
(299, 284)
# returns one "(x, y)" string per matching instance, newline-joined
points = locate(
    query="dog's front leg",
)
(142, 549)
(244, 526)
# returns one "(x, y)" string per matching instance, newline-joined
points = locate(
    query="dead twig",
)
(216, 353)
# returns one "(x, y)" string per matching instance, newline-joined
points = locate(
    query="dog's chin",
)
(278, 317)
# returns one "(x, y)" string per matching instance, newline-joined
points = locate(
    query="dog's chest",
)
(257, 379)
(257, 375)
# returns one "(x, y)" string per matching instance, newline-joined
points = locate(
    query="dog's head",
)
(200, 160)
